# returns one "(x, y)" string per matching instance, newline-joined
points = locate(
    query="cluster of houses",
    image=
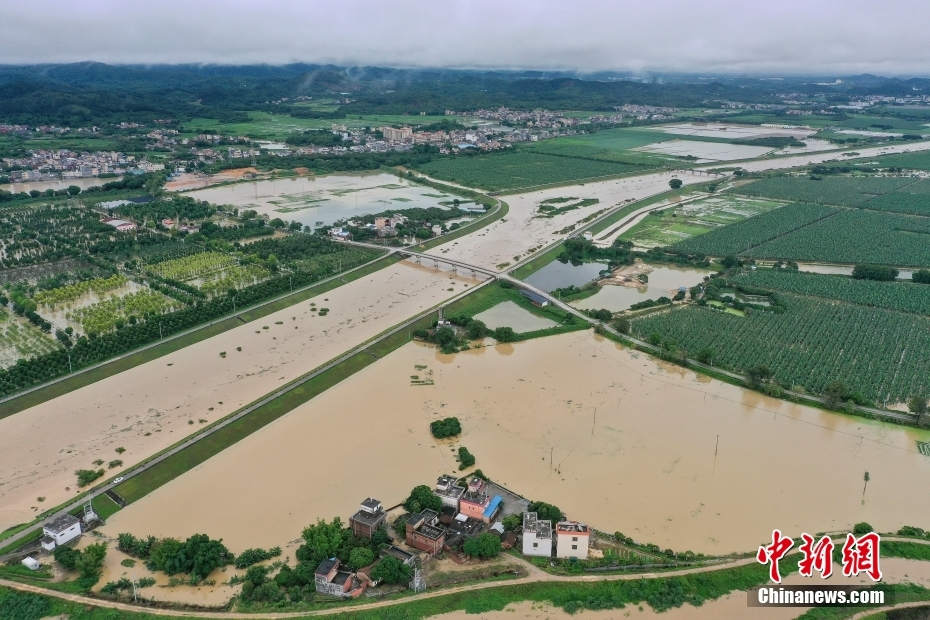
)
(466, 511)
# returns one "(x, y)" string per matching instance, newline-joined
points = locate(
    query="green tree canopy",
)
(422, 497)
(486, 545)
(391, 570)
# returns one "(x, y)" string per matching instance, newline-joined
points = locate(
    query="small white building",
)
(446, 488)
(31, 563)
(537, 536)
(59, 531)
(571, 540)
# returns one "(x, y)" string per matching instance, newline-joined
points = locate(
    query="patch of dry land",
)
(151, 406)
(734, 605)
(632, 445)
(522, 230)
(736, 132)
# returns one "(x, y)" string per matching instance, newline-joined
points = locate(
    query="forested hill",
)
(82, 93)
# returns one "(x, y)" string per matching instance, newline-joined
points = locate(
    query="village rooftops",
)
(370, 505)
(542, 529)
(61, 523)
(571, 527)
(326, 566)
(422, 523)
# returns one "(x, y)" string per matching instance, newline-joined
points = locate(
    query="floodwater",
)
(705, 151)
(149, 407)
(614, 437)
(664, 281)
(509, 314)
(560, 275)
(845, 270)
(41, 186)
(318, 201)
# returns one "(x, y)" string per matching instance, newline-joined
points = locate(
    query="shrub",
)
(360, 557)
(391, 570)
(67, 557)
(86, 476)
(447, 427)
(422, 497)
(486, 545)
(862, 528)
(466, 458)
(253, 556)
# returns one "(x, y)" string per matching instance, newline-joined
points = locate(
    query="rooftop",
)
(371, 505)
(542, 529)
(326, 566)
(368, 518)
(573, 527)
(493, 506)
(61, 523)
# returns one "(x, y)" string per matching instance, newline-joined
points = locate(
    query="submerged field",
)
(557, 432)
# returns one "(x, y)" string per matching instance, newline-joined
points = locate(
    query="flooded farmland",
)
(146, 408)
(560, 275)
(320, 201)
(614, 437)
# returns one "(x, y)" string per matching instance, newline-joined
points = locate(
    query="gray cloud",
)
(791, 36)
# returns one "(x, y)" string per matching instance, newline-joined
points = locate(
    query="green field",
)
(914, 161)
(278, 126)
(854, 236)
(903, 296)
(522, 169)
(884, 355)
(669, 226)
(834, 190)
(607, 145)
(747, 234)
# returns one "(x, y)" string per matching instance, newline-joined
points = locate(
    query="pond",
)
(321, 201)
(28, 186)
(664, 281)
(844, 270)
(561, 275)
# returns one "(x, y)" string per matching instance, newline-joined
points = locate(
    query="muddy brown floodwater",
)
(149, 407)
(612, 436)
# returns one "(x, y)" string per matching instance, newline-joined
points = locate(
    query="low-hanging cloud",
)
(791, 36)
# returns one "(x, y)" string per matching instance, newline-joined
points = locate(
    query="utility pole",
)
(70, 369)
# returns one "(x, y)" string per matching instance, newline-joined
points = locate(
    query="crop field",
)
(669, 226)
(919, 160)
(234, 276)
(63, 295)
(192, 266)
(742, 236)
(607, 145)
(836, 190)
(882, 354)
(853, 236)
(44, 233)
(903, 296)
(113, 312)
(20, 339)
(521, 169)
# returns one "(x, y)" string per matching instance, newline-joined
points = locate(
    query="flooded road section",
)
(151, 406)
(613, 437)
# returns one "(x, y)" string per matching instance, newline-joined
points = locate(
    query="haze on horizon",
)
(718, 36)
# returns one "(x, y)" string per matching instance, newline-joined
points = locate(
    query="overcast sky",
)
(780, 36)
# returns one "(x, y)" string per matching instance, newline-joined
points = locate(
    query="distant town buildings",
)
(399, 134)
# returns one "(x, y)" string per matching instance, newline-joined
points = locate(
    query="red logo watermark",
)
(859, 555)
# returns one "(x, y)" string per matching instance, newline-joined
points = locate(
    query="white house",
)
(31, 563)
(60, 530)
(572, 540)
(537, 536)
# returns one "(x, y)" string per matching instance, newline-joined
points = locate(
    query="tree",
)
(757, 375)
(675, 183)
(729, 261)
(512, 522)
(67, 557)
(422, 497)
(391, 570)
(486, 545)
(917, 404)
(323, 541)
(505, 334)
(73, 190)
(466, 458)
(545, 512)
(476, 329)
(90, 563)
(862, 528)
(835, 393)
(447, 427)
(622, 325)
(360, 557)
